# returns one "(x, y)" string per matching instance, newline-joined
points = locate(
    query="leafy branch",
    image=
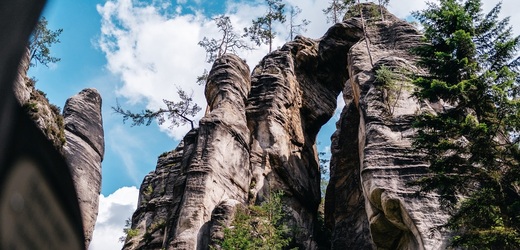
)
(40, 42)
(178, 113)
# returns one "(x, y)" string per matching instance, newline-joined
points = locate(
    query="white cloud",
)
(153, 52)
(113, 212)
(153, 48)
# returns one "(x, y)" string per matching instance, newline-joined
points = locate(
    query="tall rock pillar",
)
(207, 172)
(84, 150)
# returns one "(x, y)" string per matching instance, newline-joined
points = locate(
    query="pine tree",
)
(229, 42)
(382, 3)
(178, 113)
(262, 30)
(337, 9)
(296, 28)
(472, 145)
(40, 42)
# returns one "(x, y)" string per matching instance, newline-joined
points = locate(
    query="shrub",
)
(258, 227)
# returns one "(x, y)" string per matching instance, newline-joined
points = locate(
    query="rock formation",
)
(46, 116)
(84, 150)
(78, 135)
(210, 167)
(368, 202)
(260, 136)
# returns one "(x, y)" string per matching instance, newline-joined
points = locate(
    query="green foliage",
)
(51, 123)
(201, 80)
(40, 42)
(129, 232)
(473, 144)
(393, 83)
(149, 190)
(177, 113)
(382, 3)
(261, 32)
(258, 227)
(31, 107)
(294, 27)
(337, 9)
(229, 42)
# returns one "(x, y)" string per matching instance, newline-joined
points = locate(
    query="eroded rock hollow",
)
(260, 135)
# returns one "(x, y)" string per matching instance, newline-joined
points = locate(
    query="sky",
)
(137, 53)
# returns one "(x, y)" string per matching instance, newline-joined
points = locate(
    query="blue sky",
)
(138, 52)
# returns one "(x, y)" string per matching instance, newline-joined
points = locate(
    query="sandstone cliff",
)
(77, 134)
(260, 136)
(368, 202)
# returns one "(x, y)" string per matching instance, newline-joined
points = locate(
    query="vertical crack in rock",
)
(293, 94)
(84, 150)
(345, 211)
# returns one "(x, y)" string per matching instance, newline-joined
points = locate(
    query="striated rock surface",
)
(293, 94)
(368, 201)
(209, 168)
(84, 152)
(260, 136)
(77, 134)
(21, 87)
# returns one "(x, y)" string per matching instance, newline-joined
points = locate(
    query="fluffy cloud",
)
(153, 47)
(113, 212)
(153, 51)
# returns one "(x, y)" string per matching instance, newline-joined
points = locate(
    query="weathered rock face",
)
(46, 115)
(294, 93)
(210, 167)
(368, 201)
(84, 152)
(78, 135)
(21, 89)
(260, 136)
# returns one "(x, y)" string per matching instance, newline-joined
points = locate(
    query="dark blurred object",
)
(38, 203)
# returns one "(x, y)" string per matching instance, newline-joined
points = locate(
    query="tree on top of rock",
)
(229, 42)
(382, 3)
(473, 145)
(337, 9)
(215, 48)
(296, 28)
(261, 32)
(40, 42)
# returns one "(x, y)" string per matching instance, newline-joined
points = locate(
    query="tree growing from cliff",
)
(40, 42)
(337, 9)
(178, 113)
(295, 27)
(382, 3)
(229, 42)
(472, 145)
(215, 48)
(262, 30)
